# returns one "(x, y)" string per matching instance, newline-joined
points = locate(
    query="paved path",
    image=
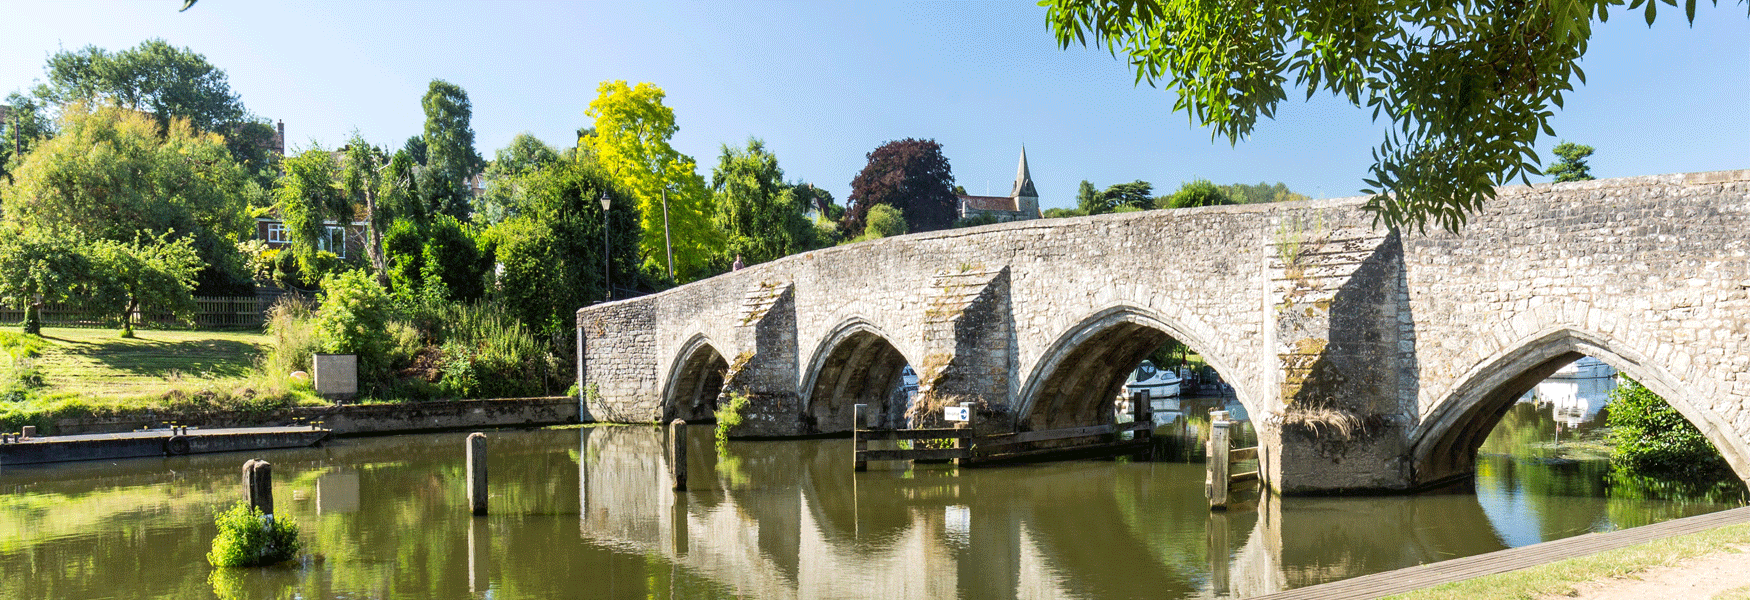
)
(1512, 559)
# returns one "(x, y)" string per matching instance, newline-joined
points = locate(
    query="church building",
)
(1021, 204)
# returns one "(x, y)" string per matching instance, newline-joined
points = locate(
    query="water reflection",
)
(589, 513)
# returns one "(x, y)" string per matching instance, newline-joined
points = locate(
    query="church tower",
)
(1026, 198)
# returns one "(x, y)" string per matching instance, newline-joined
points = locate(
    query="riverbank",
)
(1709, 564)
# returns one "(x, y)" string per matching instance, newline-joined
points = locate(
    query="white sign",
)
(957, 413)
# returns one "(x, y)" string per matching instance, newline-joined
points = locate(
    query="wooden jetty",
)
(172, 441)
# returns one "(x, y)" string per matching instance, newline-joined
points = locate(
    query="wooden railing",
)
(971, 449)
(1220, 458)
(210, 311)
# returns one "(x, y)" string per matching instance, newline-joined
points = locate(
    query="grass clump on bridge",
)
(248, 538)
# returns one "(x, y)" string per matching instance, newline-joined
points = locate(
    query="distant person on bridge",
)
(737, 266)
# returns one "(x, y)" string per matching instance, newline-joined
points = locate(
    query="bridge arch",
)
(1444, 445)
(858, 363)
(695, 379)
(1086, 366)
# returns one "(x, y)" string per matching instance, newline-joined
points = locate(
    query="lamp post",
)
(607, 260)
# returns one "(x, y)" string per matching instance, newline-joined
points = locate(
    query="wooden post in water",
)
(1142, 409)
(258, 485)
(477, 473)
(858, 444)
(677, 465)
(1215, 486)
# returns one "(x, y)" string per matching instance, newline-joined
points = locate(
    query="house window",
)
(334, 240)
(276, 233)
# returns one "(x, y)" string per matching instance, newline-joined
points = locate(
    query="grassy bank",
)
(1560, 578)
(71, 373)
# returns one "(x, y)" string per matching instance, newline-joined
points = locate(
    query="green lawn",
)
(98, 364)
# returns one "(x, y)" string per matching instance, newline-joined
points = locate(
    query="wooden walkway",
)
(1512, 559)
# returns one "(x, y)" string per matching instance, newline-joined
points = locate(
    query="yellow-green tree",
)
(632, 129)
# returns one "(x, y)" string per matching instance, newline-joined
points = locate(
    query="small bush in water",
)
(248, 539)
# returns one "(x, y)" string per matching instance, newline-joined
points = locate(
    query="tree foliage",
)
(1468, 87)
(504, 194)
(551, 251)
(35, 269)
(911, 175)
(450, 158)
(154, 275)
(1651, 438)
(884, 221)
(1571, 165)
(1241, 193)
(762, 217)
(112, 173)
(310, 195)
(1197, 193)
(26, 122)
(630, 143)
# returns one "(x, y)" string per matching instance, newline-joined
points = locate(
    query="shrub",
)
(728, 417)
(248, 538)
(975, 221)
(886, 221)
(294, 336)
(352, 319)
(1651, 438)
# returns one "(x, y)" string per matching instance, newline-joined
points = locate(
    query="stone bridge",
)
(1371, 360)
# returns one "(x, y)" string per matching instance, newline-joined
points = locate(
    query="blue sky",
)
(824, 83)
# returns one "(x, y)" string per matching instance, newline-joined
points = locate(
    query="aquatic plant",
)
(248, 538)
(729, 417)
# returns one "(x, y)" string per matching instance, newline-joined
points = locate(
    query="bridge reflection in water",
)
(589, 513)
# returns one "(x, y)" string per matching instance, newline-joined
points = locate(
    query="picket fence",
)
(210, 312)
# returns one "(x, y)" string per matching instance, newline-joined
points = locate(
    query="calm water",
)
(587, 513)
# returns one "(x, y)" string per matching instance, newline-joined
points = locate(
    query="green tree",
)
(35, 269)
(151, 274)
(353, 317)
(1468, 87)
(1651, 438)
(1134, 195)
(1241, 193)
(1088, 199)
(114, 173)
(551, 251)
(168, 83)
(1062, 213)
(362, 183)
(25, 122)
(884, 221)
(1572, 163)
(1197, 193)
(525, 153)
(310, 195)
(630, 142)
(762, 217)
(449, 147)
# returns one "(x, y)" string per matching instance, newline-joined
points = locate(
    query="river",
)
(586, 512)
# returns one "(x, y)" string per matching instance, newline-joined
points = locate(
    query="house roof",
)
(988, 203)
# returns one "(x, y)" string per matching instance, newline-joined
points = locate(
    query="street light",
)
(607, 260)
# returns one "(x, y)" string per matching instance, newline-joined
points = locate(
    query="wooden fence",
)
(972, 449)
(210, 311)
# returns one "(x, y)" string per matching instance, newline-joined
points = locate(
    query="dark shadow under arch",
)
(1079, 376)
(695, 384)
(856, 365)
(1444, 445)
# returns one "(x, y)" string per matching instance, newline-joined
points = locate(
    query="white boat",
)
(1159, 383)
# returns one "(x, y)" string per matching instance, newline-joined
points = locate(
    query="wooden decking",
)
(1512, 559)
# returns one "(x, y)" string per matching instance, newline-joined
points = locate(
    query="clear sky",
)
(823, 83)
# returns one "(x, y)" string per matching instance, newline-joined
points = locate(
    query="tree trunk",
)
(128, 319)
(374, 246)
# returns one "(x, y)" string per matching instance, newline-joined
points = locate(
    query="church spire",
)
(1023, 179)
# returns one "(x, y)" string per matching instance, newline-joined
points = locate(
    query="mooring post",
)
(477, 473)
(677, 441)
(858, 444)
(1143, 410)
(1216, 485)
(258, 485)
